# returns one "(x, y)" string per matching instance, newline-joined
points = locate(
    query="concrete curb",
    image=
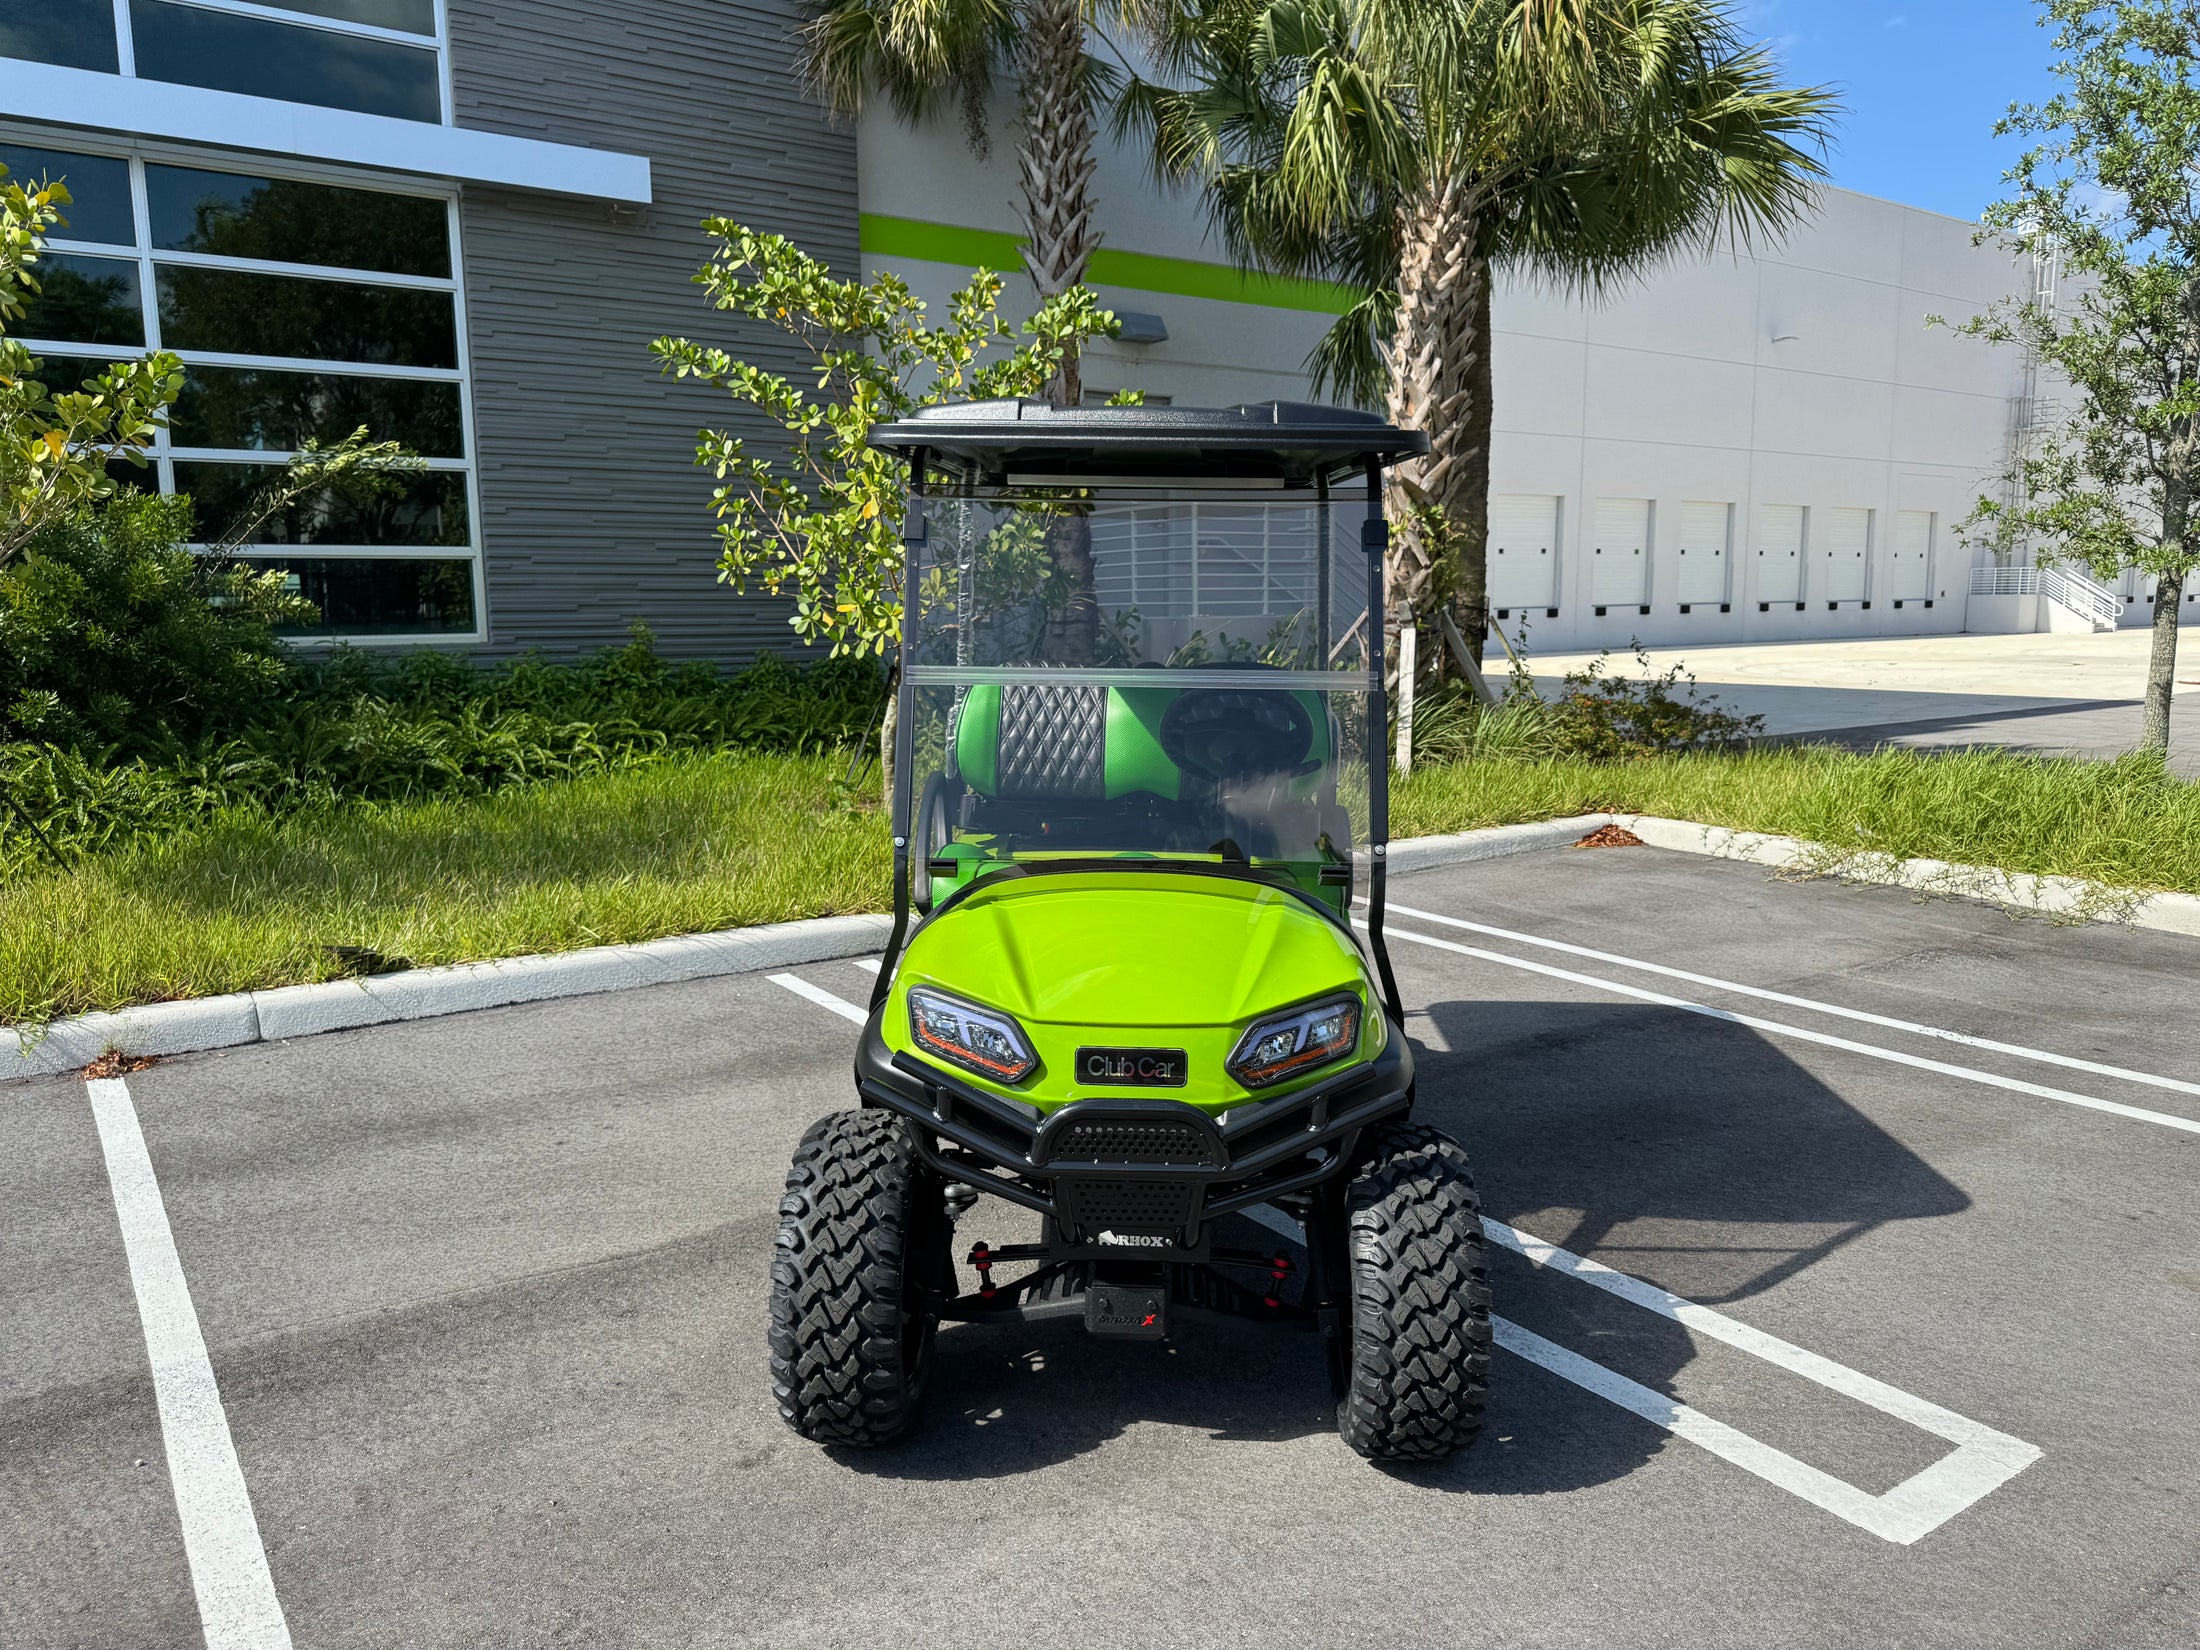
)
(424, 993)
(2065, 898)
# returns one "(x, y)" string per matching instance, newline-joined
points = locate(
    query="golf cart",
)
(1141, 717)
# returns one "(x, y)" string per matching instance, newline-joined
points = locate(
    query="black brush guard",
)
(1135, 1179)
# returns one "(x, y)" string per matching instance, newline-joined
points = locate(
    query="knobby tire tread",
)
(1420, 1348)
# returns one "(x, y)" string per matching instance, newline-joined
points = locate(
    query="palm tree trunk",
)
(1055, 162)
(1440, 383)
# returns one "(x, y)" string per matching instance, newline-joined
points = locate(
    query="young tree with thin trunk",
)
(2112, 188)
(1411, 152)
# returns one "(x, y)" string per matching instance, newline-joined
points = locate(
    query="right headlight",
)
(1297, 1040)
(983, 1040)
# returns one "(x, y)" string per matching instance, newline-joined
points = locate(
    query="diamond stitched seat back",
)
(1053, 742)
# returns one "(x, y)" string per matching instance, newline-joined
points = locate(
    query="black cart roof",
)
(1000, 441)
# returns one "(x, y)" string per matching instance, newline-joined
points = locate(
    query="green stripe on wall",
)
(946, 243)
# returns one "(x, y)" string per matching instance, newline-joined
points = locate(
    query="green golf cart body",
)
(1135, 984)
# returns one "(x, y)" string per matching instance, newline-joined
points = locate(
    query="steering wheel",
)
(1237, 733)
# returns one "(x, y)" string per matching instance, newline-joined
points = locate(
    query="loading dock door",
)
(1910, 567)
(1523, 559)
(1780, 553)
(1847, 543)
(1619, 553)
(1706, 530)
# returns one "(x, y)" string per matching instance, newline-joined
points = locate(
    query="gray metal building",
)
(459, 222)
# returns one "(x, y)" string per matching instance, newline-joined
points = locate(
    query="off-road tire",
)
(858, 1274)
(1419, 1362)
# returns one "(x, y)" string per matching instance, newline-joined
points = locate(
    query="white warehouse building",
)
(1762, 445)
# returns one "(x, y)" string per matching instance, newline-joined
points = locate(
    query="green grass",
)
(699, 842)
(2117, 822)
(680, 846)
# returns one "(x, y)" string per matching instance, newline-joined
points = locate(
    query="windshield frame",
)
(927, 483)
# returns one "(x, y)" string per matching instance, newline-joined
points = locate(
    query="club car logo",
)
(1138, 1068)
(1133, 1240)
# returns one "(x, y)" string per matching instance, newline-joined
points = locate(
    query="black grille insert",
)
(1139, 1205)
(1120, 1141)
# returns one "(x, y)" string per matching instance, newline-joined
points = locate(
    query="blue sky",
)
(1923, 82)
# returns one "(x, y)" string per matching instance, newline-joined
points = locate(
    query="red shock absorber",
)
(982, 1258)
(1278, 1270)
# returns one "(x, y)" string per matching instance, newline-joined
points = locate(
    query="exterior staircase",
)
(2046, 598)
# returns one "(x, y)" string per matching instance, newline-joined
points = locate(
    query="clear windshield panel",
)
(1174, 676)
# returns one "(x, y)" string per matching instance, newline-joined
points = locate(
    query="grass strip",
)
(700, 842)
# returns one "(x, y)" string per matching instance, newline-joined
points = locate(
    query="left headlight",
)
(1275, 1048)
(983, 1040)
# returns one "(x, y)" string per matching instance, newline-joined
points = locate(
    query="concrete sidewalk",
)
(2056, 694)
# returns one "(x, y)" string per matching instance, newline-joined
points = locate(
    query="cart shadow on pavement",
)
(1686, 1151)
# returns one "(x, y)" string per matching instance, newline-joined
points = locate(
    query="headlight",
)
(1276, 1047)
(983, 1040)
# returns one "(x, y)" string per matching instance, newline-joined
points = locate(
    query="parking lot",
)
(1850, 1280)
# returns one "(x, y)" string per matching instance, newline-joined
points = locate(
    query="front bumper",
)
(1134, 1178)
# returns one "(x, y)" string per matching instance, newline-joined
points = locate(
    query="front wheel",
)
(1419, 1364)
(859, 1272)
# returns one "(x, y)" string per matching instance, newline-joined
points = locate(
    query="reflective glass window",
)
(84, 301)
(285, 221)
(412, 16)
(252, 407)
(424, 509)
(235, 313)
(359, 596)
(99, 191)
(297, 63)
(76, 34)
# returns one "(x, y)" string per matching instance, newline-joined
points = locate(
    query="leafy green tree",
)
(58, 447)
(2112, 188)
(1410, 152)
(821, 520)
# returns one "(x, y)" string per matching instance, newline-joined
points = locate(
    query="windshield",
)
(1111, 672)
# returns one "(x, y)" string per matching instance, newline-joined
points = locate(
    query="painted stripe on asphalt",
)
(2124, 1073)
(1778, 1028)
(820, 996)
(870, 965)
(238, 1609)
(1983, 1460)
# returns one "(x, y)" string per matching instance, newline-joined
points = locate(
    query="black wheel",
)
(1419, 1362)
(858, 1277)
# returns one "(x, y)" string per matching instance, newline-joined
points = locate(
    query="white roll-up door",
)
(1845, 541)
(1707, 531)
(1780, 553)
(1910, 566)
(1619, 553)
(1523, 561)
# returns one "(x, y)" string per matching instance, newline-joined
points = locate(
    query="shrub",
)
(115, 636)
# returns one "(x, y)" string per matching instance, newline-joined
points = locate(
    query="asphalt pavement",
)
(1897, 1345)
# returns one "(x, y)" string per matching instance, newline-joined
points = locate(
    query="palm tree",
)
(927, 56)
(1410, 149)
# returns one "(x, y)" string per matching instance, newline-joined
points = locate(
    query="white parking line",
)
(238, 1609)
(820, 996)
(2123, 1073)
(1970, 1074)
(1982, 1461)
(870, 965)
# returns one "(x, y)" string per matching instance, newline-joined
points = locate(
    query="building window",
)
(75, 34)
(302, 310)
(378, 57)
